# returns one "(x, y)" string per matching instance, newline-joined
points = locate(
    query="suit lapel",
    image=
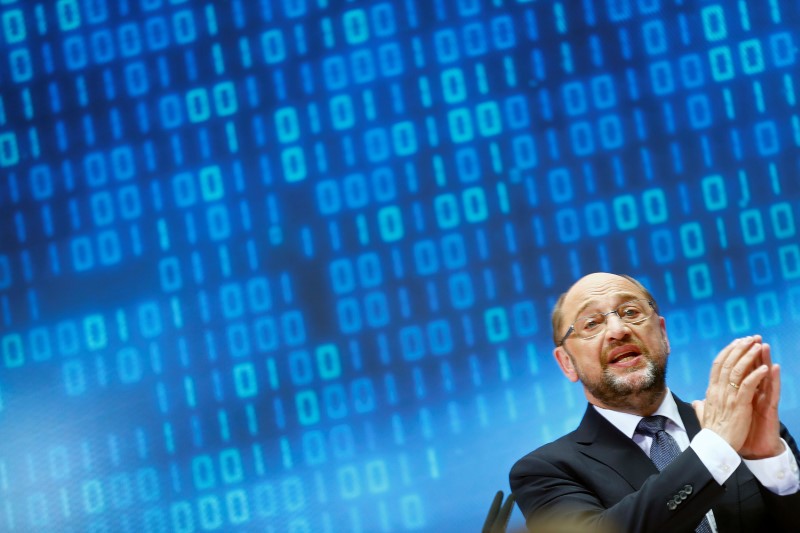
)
(599, 439)
(603, 442)
(689, 418)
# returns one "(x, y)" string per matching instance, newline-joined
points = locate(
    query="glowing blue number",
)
(496, 321)
(692, 240)
(782, 220)
(130, 40)
(376, 309)
(654, 40)
(567, 225)
(721, 63)
(307, 405)
(446, 45)
(699, 111)
(574, 97)
(760, 268)
(469, 168)
(425, 257)
(369, 270)
(462, 294)
(581, 138)
(767, 138)
(661, 78)
(383, 20)
(218, 221)
(691, 70)
(453, 251)
(355, 191)
(390, 222)
(157, 33)
(109, 248)
(752, 226)
(517, 113)
(183, 24)
(341, 272)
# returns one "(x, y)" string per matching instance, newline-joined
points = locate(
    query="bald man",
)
(643, 460)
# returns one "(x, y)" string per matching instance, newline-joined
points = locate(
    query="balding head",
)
(597, 282)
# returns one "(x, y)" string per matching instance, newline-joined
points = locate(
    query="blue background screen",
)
(287, 265)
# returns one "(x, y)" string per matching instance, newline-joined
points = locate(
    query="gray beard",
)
(630, 395)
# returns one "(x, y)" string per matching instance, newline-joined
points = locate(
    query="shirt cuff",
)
(778, 474)
(716, 454)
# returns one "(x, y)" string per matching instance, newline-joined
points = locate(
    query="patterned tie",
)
(663, 450)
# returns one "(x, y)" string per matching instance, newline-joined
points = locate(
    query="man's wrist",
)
(780, 474)
(777, 448)
(716, 454)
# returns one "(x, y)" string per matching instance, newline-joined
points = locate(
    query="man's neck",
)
(643, 403)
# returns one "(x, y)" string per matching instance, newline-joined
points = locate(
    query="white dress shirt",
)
(777, 474)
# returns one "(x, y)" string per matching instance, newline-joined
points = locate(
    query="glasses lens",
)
(635, 311)
(632, 312)
(589, 326)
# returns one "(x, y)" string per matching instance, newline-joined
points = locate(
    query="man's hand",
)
(728, 409)
(764, 439)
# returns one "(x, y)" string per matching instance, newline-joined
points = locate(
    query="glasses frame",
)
(614, 312)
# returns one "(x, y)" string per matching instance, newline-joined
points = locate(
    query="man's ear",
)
(565, 363)
(663, 324)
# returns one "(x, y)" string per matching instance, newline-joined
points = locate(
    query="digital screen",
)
(288, 265)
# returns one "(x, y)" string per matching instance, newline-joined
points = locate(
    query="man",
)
(722, 464)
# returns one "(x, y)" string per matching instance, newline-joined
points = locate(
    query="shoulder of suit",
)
(552, 449)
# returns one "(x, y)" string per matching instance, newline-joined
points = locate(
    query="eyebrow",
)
(623, 296)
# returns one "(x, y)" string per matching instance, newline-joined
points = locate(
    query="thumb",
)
(699, 407)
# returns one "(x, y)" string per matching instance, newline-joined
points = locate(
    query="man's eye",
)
(589, 325)
(631, 312)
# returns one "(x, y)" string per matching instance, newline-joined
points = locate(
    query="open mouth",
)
(624, 355)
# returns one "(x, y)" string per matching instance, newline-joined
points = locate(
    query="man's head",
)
(623, 365)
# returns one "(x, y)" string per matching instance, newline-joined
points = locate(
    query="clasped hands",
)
(741, 403)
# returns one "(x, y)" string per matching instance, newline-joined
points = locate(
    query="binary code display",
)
(287, 265)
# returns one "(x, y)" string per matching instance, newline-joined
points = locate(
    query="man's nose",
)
(615, 327)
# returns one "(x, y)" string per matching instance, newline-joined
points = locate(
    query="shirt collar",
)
(627, 423)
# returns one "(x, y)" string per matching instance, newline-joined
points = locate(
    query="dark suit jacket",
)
(600, 480)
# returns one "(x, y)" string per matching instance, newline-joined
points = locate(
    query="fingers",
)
(728, 365)
(716, 367)
(750, 384)
(766, 354)
(741, 403)
(774, 390)
(740, 363)
(738, 375)
(728, 371)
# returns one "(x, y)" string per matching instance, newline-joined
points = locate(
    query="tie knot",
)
(650, 425)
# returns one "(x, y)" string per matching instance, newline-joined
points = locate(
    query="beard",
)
(636, 387)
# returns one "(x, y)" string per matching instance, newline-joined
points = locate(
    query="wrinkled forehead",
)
(599, 290)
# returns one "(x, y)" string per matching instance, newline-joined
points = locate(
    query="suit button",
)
(671, 505)
(688, 489)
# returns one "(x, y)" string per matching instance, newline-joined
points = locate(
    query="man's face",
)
(624, 367)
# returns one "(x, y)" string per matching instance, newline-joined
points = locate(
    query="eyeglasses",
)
(632, 312)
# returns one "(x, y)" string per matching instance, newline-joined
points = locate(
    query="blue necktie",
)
(663, 450)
